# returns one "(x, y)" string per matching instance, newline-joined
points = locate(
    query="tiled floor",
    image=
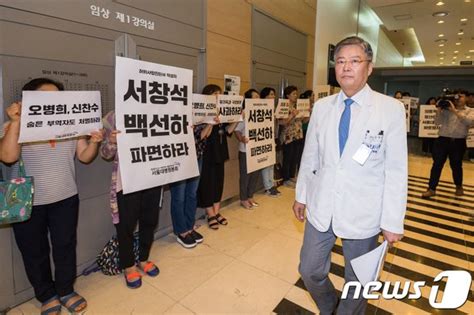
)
(250, 266)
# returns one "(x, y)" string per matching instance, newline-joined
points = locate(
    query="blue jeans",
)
(267, 177)
(184, 203)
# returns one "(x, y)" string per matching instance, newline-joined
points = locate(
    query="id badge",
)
(362, 154)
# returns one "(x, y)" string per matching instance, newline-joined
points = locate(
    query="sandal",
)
(221, 219)
(55, 309)
(247, 205)
(73, 307)
(133, 284)
(254, 204)
(213, 223)
(150, 269)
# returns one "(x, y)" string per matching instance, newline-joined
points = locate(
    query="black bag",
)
(108, 259)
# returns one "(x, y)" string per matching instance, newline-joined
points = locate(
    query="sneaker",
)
(187, 241)
(429, 193)
(289, 184)
(271, 192)
(276, 191)
(196, 236)
(459, 191)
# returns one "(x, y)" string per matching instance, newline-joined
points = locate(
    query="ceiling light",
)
(440, 3)
(440, 22)
(442, 35)
(456, 51)
(441, 63)
(455, 57)
(441, 40)
(458, 43)
(441, 45)
(468, 57)
(441, 58)
(464, 20)
(440, 13)
(471, 50)
(441, 52)
(454, 62)
(461, 33)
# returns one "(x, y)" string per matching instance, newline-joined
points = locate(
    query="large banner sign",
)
(204, 109)
(154, 113)
(303, 107)
(283, 109)
(230, 108)
(428, 128)
(407, 103)
(59, 115)
(470, 138)
(260, 131)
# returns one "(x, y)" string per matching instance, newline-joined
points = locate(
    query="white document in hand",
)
(368, 266)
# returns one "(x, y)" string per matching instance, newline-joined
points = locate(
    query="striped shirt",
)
(52, 168)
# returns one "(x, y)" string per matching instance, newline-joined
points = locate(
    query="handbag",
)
(16, 197)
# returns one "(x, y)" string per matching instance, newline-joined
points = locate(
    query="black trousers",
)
(59, 219)
(290, 159)
(442, 149)
(142, 207)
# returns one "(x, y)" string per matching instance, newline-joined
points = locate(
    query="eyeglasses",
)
(352, 62)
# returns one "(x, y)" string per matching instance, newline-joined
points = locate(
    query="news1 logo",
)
(456, 291)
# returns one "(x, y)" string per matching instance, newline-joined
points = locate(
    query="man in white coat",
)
(353, 176)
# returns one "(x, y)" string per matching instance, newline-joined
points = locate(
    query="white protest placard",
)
(260, 130)
(414, 102)
(470, 138)
(406, 102)
(303, 107)
(204, 109)
(427, 127)
(154, 113)
(54, 115)
(231, 84)
(321, 91)
(283, 109)
(230, 108)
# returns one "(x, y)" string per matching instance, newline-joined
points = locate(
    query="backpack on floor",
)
(108, 259)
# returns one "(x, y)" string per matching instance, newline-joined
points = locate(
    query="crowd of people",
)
(56, 200)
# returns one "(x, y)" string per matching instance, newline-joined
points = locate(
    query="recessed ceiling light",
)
(441, 58)
(468, 57)
(460, 33)
(440, 13)
(441, 63)
(442, 35)
(454, 62)
(441, 52)
(440, 3)
(467, 0)
(464, 20)
(455, 57)
(456, 51)
(441, 40)
(458, 43)
(441, 45)
(471, 50)
(440, 22)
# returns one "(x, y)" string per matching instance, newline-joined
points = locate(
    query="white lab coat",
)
(359, 200)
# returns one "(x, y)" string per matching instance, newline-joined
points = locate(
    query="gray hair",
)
(355, 40)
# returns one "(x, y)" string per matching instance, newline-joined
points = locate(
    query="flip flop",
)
(56, 309)
(133, 284)
(74, 307)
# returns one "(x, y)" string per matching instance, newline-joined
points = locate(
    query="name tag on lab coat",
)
(362, 154)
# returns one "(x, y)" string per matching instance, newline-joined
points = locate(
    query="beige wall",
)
(229, 29)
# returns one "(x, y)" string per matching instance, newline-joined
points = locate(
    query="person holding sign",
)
(248, 182)
(55, 211)
(211, 184)
(267, 172)
(140, 207)
(292, 138)
(353, 177)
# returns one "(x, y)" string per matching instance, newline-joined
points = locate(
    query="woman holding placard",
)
(140, 207)
(292, 135)
(211, 183)
(248, 182)
(55, 211)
